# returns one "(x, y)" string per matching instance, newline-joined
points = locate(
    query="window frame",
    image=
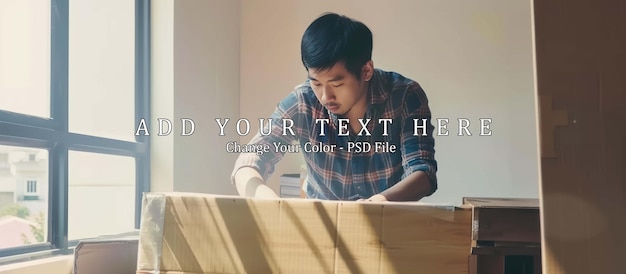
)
(52, 133)
(28, 187)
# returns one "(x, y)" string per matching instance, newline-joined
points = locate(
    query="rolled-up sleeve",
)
(287, 111)
(417, 145)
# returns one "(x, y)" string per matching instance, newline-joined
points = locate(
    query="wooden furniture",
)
(506, 236)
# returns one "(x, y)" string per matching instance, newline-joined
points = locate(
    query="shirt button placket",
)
(355, 163)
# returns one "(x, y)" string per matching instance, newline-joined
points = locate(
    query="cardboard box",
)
(107, 254)
(198, 233)
(290, 186)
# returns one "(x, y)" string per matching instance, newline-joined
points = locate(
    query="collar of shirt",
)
(377, 95)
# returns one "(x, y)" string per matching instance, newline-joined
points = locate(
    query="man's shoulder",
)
(303, 86)
(398, 89)
(304, 93)
(301, 98)
(395, 79)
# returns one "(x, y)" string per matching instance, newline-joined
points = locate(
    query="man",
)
(365, 133)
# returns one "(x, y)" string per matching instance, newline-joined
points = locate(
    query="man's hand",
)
(249, 183)
(413, 188)
(375, 198)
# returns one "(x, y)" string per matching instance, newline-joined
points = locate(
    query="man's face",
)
(339, 90)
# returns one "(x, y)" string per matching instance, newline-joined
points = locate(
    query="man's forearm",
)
(250, 183)
(414, 187)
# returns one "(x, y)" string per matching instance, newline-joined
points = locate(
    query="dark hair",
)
(334, 38)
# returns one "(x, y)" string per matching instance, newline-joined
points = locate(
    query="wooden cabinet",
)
(506, 236)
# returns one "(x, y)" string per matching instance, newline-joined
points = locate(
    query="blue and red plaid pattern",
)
(349, 175)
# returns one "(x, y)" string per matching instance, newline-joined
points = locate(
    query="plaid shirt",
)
(350, 175)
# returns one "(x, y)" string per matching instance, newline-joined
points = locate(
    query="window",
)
(23, 211)
(31, 187)
(74, 83)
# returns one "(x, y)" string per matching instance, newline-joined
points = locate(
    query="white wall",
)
(195, 75)
(473, 58)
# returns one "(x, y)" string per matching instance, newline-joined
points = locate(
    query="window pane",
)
(101, 68)
(25, 56)
(101, 194)
(23, 196)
